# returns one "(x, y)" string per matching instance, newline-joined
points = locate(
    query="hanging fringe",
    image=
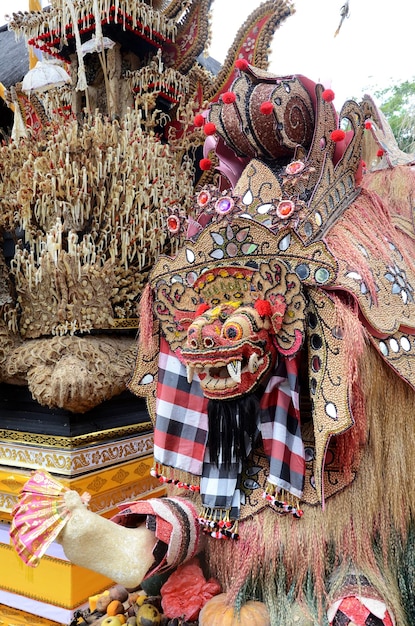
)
(158, 472)
(82, 82)
(217, 523)
(284, 501)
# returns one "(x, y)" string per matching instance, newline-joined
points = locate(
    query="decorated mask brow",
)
(230, 348)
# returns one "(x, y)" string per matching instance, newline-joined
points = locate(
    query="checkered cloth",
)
(181, 429)
(219, 486)
(360, 611)
(281, 429)
(181, 432)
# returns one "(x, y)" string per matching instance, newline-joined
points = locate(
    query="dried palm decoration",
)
(91, 200)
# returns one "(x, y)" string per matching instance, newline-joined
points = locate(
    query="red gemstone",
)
(203, 198)
(173, 224)
(316, 364)
(295, 167)
(285, 208)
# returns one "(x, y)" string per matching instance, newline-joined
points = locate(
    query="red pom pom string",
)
(266, 108)
(229, 97)
(241, 64)
(380, 152)
(263, 307)
(328, 95)
(155, 472)
(209, 128)
(368, 124)
(205, 164)
(199, 120)
(338, 135)
(283, 506)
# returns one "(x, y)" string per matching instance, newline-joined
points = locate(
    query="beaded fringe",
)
(217, 523)
(158, 472)
(284, 501)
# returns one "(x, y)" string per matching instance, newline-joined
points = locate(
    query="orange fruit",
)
(115, 607)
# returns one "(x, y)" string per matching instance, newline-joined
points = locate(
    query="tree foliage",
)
(398, 105)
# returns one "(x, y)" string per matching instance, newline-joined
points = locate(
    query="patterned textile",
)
(174, 523)
(361, 612)
(218, 486)
(181, 429)
(280, 428)
(181, 432)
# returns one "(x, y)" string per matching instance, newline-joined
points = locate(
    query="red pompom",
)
(380, 152)
(199, 120)
(205, 164)
(228, 97)
(266, 108)
(328, 95)
(364, 164)
(368, 124)
(201, 309)
(338, 135)
(242, 64)
(263, 307)
(209, 128)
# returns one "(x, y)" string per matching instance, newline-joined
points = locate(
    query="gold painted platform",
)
(113, 466)
(15, 617)
(55, 581)
(112, 471)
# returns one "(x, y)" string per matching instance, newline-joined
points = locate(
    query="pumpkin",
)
(217, 612)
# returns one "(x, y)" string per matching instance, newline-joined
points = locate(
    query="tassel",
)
(217, 523)
(19, 130)
(158, 472)
(284, 501)
(82, 83)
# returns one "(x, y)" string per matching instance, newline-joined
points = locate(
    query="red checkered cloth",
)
(181, 431)
(281, 428)
(360, 611)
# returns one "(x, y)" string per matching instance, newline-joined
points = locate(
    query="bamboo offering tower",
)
(103, 143)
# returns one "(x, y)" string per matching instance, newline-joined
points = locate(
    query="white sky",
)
(375, 46)
(373, 49)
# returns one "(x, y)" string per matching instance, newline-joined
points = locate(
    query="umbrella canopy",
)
(45, 76)
(96, 44)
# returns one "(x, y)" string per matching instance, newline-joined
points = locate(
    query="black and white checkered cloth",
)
(181, 431)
